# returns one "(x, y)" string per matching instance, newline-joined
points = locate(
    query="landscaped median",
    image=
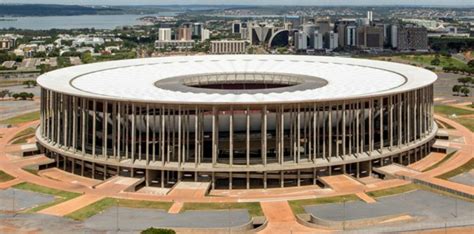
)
(253, 208)
(463, 116)
(22, 118)
(60, 196)
(106, 203)
(466, 167)
(4, 177)
(298, 205)
(23, 136)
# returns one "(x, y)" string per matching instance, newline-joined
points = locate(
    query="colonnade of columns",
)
(217, 136)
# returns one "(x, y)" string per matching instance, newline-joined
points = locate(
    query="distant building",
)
(323, 25)
(164, 34)
(260, 33)
(370, 37)
(370, 16)
(197, 29)
(228, 47)
(5, 43)
(205, 34)
(332, 41)
(236, 26)
(301, 41)
(411, 38)
(351, 35)
(318, 41)
(279, 39)
(309, 29)
(174, 44)
(184, 34)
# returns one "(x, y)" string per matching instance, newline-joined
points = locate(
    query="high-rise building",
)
(164, 34)
(236, 26)
(370, 37)
(301, 40)
(323, 25)
(411, 38)
(318, 41)
(351, 35)
(228, 47)
(260, 33)
(197, 29)
(184, 33)
(369, 16)
(205, 34)
(333, 40)
(309, 29)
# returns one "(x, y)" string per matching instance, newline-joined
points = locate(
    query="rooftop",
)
(318, 79)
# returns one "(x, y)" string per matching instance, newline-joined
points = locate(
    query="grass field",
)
(426, 60)
(22, 137)
(22, 118)
(393, 191)
(106, 203)
(462, 169)
(298, 205)
(5, 176)
(462, 119)
(60, 196)
(253, 208)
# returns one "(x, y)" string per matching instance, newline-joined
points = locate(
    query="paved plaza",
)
(466, 178)
(17, 199)
(133, 219)
(432, 209)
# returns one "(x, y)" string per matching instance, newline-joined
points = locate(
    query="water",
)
(79, 21)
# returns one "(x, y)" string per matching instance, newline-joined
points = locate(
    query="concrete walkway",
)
(281, 219)
(72, 205)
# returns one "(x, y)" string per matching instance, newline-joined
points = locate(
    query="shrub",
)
(153, 230)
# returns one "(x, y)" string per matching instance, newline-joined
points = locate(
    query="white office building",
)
(164, 34)
(228, 47)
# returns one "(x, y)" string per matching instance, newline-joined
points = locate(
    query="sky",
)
(459, 3)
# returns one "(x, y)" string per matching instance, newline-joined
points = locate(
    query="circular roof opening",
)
(242, 81)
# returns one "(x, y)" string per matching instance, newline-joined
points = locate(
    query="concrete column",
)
(133, 130)
(214, 136)
(105, 134)
(264, 135)
(231, 137)
(247, 138)
(147, 140)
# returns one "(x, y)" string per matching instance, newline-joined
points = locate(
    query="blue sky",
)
(460, 3)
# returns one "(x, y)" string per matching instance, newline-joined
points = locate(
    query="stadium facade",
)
(238, 121)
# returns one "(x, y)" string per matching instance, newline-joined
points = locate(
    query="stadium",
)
(237, 121)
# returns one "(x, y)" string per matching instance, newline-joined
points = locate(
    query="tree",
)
(435, 62)
(465, 91)
(29, 83)
(464, 80)
(457, 89)
(16, 96)
(5, 93)
(471, 63)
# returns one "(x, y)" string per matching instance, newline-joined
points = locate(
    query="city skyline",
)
(454, 3)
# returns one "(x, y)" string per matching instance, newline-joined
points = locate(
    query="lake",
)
(77, 21)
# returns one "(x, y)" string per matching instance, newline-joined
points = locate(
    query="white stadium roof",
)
(135, 80)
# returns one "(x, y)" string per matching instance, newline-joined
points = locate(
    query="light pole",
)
(117, 215)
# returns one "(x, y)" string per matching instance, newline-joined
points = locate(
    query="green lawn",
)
(426, 60)
(5, 176)
(103, 204)
(60, 195)
(392, 191)
(298, 205)
(440, 161)
(462, 169)
(253, 208)
(446, 111)
(22, 137)
(22, 118)
(449, 110)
